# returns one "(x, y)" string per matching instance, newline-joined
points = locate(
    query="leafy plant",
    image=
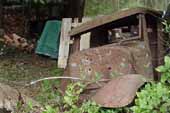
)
(24, 108)
(118, 110)
(71, 99)
(167, 26)
(155, 97)
(49, 109)
(49, 90)
(72, 94)
(49, 93)
(90, 107)
(165, 70)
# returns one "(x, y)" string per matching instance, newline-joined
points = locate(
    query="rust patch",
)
(120, 91)
(111, 61)
(108, 61)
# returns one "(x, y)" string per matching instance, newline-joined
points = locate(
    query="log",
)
(18, 42)
(9, 98)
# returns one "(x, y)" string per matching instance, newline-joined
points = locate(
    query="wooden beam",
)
(81, 41)
(1, 16)
(85, 41)
(85, 38)
(64, 43)
(146, 41)
(160, 50)
(76, 44)
(86, 27)
(140, 27)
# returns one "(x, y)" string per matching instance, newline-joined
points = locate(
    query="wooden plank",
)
(146, 40)
(77, 23)
(76, 44)
(140, 27)
(64, 43)
(145, 33)
(160, 50)
(85, 38)
(81, 41)
(86, 27)
(1, 15)
(85, 41)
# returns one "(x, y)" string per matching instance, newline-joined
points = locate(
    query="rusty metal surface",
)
(141, 59)
(110, 61)
(107, 61)
(119, 92)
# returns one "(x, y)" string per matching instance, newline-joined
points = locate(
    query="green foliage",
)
(90, 107)
(49, 94)
(49, 109)
(102, 7)
(24, 108)
(167, 26)
(86, 107)
(165, 70)
(72, 94)
(155, 97)
(118, 110)
(49, 90)
(71, 99)
(56, 71)
(166, 30)
(98, 7)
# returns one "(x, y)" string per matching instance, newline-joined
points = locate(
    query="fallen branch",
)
(52, 78)
(18, 42)
(70, 78)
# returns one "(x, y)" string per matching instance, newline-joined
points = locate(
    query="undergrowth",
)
(153, 98)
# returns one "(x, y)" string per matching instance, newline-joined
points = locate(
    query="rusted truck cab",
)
(121, 44)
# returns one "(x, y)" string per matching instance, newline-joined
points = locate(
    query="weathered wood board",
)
(64, 42)
(85, 41)
(78, 44)
(101, 21)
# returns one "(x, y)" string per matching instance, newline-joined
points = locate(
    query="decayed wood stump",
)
(9, 98)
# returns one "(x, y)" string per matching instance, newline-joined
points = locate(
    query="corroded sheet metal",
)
(107, 61)
(119, 92)
(116, 62)
(110, 61)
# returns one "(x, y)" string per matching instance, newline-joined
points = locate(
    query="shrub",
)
(155, 97)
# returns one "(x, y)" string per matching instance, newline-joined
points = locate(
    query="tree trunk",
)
(75, 8)
(1, 16)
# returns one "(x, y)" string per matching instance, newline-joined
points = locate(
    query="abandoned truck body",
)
(136, 48)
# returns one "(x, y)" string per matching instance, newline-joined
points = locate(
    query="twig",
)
(52, 78)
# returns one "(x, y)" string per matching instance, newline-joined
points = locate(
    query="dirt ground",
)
(18, 69)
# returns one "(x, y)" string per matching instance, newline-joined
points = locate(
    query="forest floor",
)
(19, 69)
